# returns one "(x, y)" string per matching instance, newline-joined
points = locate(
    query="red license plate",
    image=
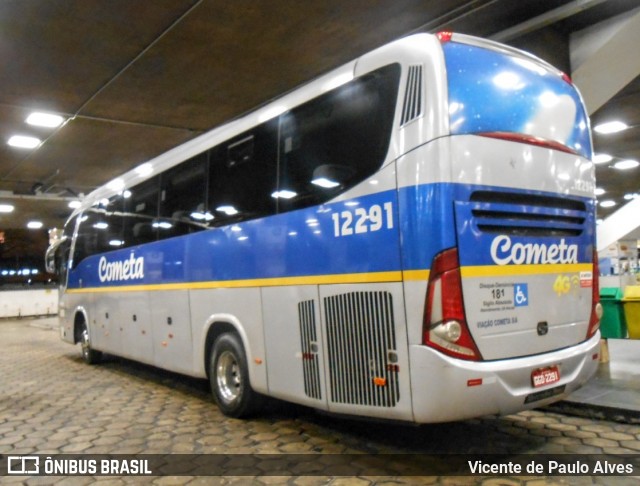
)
(545, 376)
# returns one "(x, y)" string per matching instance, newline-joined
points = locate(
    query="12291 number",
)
(363, 220)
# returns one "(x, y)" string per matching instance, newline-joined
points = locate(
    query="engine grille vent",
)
(309, 346)
(527, 215)
(412, 107)
(362, 355)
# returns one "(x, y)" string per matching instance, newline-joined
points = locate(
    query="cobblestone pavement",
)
(52, 403)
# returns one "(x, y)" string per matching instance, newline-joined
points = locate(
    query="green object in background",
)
(631, 302)
(612, 324)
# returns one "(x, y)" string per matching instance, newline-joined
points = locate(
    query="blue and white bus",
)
(410, 237)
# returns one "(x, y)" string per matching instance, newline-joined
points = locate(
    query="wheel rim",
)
(85, 343)
(228, 377)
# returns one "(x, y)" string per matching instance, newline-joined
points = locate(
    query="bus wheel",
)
(90, 356)
(229, 378)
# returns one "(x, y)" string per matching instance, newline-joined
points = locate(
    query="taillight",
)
(445, 326)
(528, 139)
(444, 36)
(596, 306)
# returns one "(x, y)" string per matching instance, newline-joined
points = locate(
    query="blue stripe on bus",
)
(359, 236)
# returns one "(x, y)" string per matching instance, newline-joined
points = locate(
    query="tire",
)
(89, 355)
(229, 378)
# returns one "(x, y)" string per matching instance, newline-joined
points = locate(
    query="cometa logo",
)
(131, 269)
(504, 252)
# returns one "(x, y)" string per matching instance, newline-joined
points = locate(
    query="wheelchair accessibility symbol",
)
(520, 294)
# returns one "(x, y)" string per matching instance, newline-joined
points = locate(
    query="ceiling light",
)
(601, 158)
(611, 127)
(626, 164)
(22, 141)
(325, 183)
(609, 203)
(284, 194)
(75, 204)
(6, 208)
(47, 120)
(599, 191)
(631, 195)
(228, 210)
(34, 224)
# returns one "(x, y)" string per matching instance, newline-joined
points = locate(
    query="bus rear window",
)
(496, 92)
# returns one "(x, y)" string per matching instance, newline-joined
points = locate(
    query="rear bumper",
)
(446, 389)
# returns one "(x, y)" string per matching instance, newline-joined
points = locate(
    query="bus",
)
(408, 237)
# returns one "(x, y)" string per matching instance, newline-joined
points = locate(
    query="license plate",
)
(545, 376)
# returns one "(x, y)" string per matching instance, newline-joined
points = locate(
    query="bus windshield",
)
(527, 97)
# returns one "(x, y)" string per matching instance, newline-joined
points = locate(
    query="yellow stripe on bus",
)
(515, 270)
(377, 277)
(350, 278)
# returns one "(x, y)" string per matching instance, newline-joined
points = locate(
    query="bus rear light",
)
(529, 139)
(445, 327)
(596, 306)
(444, 36)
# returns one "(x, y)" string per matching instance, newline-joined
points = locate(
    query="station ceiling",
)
(134, 79)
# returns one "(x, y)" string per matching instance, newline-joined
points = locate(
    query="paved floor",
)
(614, 393)
(52, 403)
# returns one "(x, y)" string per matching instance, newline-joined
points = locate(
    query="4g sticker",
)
(565, 284)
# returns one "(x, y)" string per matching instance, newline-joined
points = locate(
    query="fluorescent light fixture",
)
(602, 158)
(75, 204)
(200, 216)
(34, 224)
(626, 164)
(609, 203)
(22, 141)
(162, 225)
(6, 208)
(284, 194)
(611, 127)
(101, 225)
(228, 210)
(48, 120)
(599, 191)
(116, 242)
(325, 183)
(631, 195)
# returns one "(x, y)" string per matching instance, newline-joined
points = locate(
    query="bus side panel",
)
(240, 308)
(132, 320)
(366, 359)
(293, 338)
(104, 330)
(171, 317)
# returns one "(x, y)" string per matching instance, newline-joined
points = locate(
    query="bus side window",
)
(100, 230)
(337, 140)
(183, 194)
(243, 176)
(140, 221)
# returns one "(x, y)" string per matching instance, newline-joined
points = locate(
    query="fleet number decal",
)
(363, 220)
